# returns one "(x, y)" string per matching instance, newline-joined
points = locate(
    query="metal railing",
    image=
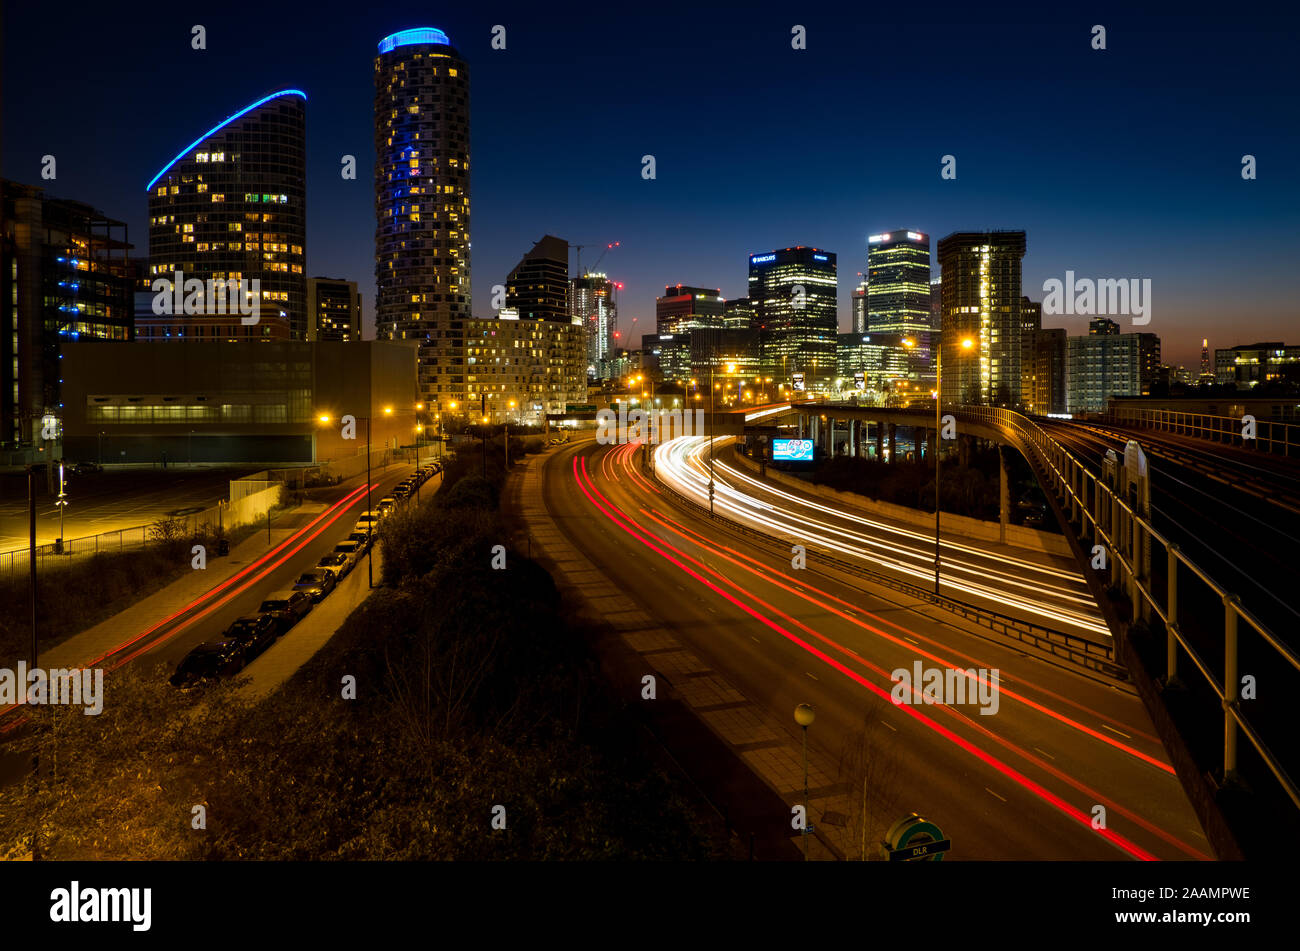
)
(1093, 656)
(1281, 439)
(54, 555)
(1100, 516)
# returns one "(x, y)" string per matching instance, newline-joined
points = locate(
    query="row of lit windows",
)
(165, 413)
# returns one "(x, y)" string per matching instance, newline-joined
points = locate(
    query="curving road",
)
(1022, 783)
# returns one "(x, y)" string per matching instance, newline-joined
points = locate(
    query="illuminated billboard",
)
(792, 450)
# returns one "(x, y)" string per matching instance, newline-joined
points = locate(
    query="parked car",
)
(286, 608)
(315, 584)
(336, 564)
(402, 491)
(368, 519)
(361, 537)
(222, 658)
(84, 468)
(256, 632)
(387, 505)
(1032, 514)
(351, 550)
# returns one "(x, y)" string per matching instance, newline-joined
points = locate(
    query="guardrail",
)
(52, 555)
(1102, 517)
(1079, 651)
(1282, 439)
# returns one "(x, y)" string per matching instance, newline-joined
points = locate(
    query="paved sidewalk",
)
(754, 736)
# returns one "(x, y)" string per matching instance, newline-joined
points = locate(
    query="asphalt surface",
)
(1023, 783)
(109, 500)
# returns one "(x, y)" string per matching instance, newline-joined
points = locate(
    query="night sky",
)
(1119, 163)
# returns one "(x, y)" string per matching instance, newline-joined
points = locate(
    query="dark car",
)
(362, 538)
(286, 608)
(1032, 514)
(256, 631)
(222, 658)
(336, 564)
(402, 491)
(85, 468)
(315, 584)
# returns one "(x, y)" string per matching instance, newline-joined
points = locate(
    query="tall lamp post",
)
(966, 344)
(804, 716)
(370, 565)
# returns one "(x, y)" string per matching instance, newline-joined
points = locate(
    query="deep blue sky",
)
(1122, 163)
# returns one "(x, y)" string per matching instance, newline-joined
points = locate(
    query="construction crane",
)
(579, 247)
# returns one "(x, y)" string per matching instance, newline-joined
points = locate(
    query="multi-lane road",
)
(1068, 767)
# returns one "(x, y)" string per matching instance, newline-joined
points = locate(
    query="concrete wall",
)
(251, 508)
(972, 528)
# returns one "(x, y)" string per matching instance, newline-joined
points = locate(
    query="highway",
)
(1039, 588)
(1023, 783)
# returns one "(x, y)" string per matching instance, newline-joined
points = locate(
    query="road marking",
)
(755, 639)
(906, 638)
(1113, 730)
(992, 793)
(810, 675)
(890, 725)
(1045, 753)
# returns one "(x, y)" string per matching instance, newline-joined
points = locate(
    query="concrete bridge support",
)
(893, 438)
(1004, 494)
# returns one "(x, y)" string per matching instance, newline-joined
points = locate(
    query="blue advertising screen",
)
(792, 450)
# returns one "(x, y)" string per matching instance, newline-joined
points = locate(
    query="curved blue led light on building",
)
(221, 125)
(412, 37)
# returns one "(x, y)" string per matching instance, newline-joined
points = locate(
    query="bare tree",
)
(871, 774)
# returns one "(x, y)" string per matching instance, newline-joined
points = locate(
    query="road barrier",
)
(1100, 516)
(1281, 439)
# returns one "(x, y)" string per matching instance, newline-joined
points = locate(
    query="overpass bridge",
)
(1198, 653)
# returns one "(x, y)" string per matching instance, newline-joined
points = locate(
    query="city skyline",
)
(1086, 207)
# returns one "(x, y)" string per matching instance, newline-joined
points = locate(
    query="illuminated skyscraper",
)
(898, 287)
(596, 305)
(65, 275)
(860, 307)
(981, 301)
(538, 287)
(333, 309)
(684, 308)
(422, 268)
(233, 206)
(793, 292)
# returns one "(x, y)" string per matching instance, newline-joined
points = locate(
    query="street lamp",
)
(966, 343)
(62, 503)
(370, 565)
(804, 716)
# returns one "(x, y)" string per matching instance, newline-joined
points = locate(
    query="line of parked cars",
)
(406, 488)
(249, 636)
